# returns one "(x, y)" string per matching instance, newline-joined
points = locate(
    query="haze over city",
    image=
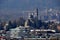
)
(12, 8)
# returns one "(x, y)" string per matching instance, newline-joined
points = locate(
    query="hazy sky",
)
(28, 4)
(14, 6)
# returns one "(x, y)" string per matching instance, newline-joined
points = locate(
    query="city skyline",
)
(13, 8)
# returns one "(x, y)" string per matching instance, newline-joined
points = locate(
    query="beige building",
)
(58, 27)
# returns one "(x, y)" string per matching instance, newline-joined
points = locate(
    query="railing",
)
(41, 39)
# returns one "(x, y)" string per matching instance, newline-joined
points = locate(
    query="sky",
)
(14, 6)
(28, 4)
